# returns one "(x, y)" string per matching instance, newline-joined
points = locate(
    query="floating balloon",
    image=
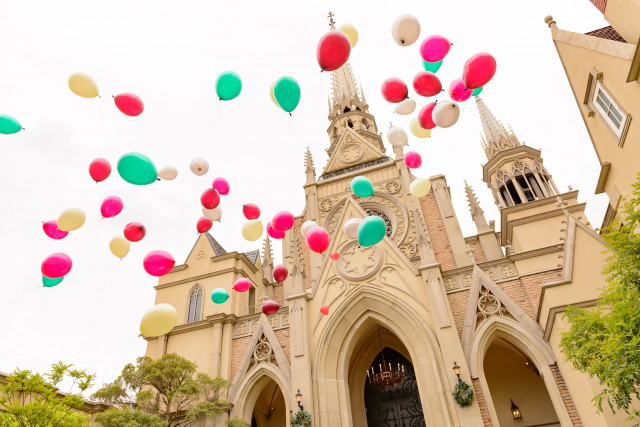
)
(158, 320)
(119, 246)
(412, 159)
(308, 225)
(134, 231)
(335, 256)
(280, 273)
(270, 307)
(432, 66)
(372, 230)
(318, 239)
(425, 116)
(287, 93)
(434, 48)
(405, 30)
(283, 221)
(446, 114)
(324, 310)
(129, 104)
(71, 219)
(478, 70)
(333, 51)
(252, 230)
(221, 185)
(212, 214)
(242, 285)
(219, 295)
(51, 229)
(228, 85)
(477, 91)
(50, 283)
(350, 228)
(251, 211)
(426, 83)
(394, 90)
(273, 97)
(272, 232)
(199, 166)
(420, 187)
(458, 92)
(417, 130)
(83, 85)
(405, 107)
(397, 136)
(351, 33)
(158, 263)
(9, 125)
(204, 224)
(56, 265)
(210, 198)
(362, 186)
(168, 173)
(99, 169)
(111, 206)
(137, 169)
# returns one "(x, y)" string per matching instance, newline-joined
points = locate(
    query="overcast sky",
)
(169, 53)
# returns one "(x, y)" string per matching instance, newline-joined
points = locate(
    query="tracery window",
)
(195, 305)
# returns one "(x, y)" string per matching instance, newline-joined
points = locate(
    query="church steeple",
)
(345, 96)
(496, 138)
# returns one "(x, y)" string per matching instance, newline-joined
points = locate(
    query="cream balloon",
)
(420, 187)
(119, 246)
(71, 219)
(168, 173)
(83, 85)
(445, 114)
(351, 33)
(406, 107)
(199, 166)
(252, 230)
(306, 226)
(397, 137)
(212, 214)
(405, 30)
(351, 228)
(273, 97)
(418, 130)
(158, 320)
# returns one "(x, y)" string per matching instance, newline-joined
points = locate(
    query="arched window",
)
(195, 305)
(365, 124)
(350, 124)
(347, 109)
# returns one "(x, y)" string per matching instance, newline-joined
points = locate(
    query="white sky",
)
(169, 53)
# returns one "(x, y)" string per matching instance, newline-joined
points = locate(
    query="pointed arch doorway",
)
(269, 409)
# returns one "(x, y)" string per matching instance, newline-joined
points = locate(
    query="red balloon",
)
(272, 232)
(56, 265)
(333, 50)
(424, 116)
(458, 91)
(324, 310)
(111, 206)
(204, 224)
(51, 229)
(251, 211)
(221, 185)
(158, 263)
(334, 256)
(394, 90)
(412, 159)
(280, 273)
(99, 169)
(134, 231)
(283, 221)
(478, 70)
(210, 198)
(270, 307)
(242, 285)
(427, 83)
(129, 104)
(318, 239)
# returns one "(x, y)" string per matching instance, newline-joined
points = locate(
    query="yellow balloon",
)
(420, 187)
(273, 97)
(351, 33)
(252, 230)
(83, 85)
(119, 246)
(158, 320)
(418, 130)
(71, 219)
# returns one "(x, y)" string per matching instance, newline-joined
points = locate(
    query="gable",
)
(206, 247)
(351, 150)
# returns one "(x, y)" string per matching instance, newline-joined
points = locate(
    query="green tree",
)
(129, 418)
(169, 388)
(236, 422)
(604, 341)
(31, 400)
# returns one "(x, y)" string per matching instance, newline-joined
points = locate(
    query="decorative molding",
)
(553, 311)
(351, 265)
(247, 325)
(460, 279)
(203, 276)
(517, 256)
(608, 47)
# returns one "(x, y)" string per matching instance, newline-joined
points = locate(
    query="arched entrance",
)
(269, 409)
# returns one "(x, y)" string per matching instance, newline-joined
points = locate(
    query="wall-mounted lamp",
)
(299, 399)
(515, 411)
(456, 370)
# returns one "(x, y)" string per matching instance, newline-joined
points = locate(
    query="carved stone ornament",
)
(408, 249)
(392, 187)
(200, 255)
(351, 153)
(359, 263)
(326, 205)
(262, 352)
(489, 305)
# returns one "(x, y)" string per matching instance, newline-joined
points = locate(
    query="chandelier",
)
(387, 374)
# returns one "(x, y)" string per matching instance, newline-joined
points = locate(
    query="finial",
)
(332, 23)
(549, 20)
(469, 252)
(390, 125)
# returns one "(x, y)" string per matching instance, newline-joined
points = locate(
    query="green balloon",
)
(287, 93)
(432, 66)
(9, 125)
(361, 186)
(138, 169)
(228, 85)
(50, 283)
(371, 230)
(219, 295)
(476, 91)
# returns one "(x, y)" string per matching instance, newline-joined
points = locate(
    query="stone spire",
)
(496, 138)
(477, 214)
(267, 260)
(344, 91)
(309, 167)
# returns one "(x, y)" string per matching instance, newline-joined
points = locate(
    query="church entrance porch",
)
(269, 409)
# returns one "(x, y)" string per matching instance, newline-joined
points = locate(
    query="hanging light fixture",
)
(387, 374)
(515, 411)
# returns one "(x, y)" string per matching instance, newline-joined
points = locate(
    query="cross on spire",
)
(332, 23)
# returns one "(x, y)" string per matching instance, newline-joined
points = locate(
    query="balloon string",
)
(126, 347)
(410, 60)
(295, 136)
(172, 198)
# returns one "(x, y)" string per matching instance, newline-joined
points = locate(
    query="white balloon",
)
(406, 107)
(397, 137)
(351, 228)
(405, 30)
(308, 225)
(168, 173)
(212, 214)
(199, 166)
(420, 187)
(446, 114)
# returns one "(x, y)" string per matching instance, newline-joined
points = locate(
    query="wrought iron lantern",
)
(515, 411)
(299, 399)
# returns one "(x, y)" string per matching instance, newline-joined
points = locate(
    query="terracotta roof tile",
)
(607, 33)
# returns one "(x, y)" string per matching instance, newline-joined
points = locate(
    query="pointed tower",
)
(486, 232)
(267, 260)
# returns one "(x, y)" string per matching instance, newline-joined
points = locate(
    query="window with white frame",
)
(608, 109)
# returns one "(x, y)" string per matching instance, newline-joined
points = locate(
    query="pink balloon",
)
(99, 169)
(280, 273)
(458, 91)
(333, 50)
(270, 307)
(394, 90)
(324, 310)
(221, 185)
(424, 116)
(426, 83)
(210, 198)
(134, 231)
(251, 211)
(242, 285)
(478, 70)
(283, 221)
(204, 224)
(56, 265)
(51, 229)
(434, 48)
(318, 239)
(158, 263)
(111, 206)
(412, 159)
(129, 104)
(272, 232)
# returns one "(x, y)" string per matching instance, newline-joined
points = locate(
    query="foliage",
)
(463, 394)
(301, 419)
(236, 422)
(129, 418)
(29, 399)
(605, 341)
(169, 388)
